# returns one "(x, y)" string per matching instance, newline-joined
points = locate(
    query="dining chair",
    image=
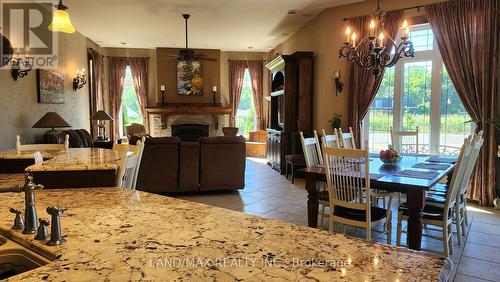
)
(440, 214)
(332, 140)
(318, 147)
(128, 165)
(41, 147)
(348, 179)
(312, 158)
(461, 202)
(405, 142)
(347, 139)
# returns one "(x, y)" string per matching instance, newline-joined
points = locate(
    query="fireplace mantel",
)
(189, 109)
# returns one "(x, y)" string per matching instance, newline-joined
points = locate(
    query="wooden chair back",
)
(331, 141)
(347, 139)
(41, 147)
(310, 150)
(318, 148)
(405, 142)
(347, 175)
(458, 174)
(129, 165)
(475, 144)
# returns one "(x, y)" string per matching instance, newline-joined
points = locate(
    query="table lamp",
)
(101, 117)
(51, 120)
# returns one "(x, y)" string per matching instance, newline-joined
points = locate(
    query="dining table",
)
(413, 176)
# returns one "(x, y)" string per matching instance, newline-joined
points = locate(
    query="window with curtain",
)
(418, 92)
(130, 111)
(245, 116)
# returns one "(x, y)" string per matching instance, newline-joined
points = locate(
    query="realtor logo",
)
(25, 25)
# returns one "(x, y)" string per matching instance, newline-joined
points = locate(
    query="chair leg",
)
(399, 231)
(388, 224)
(458, 219)
(464, 210)
(293, 174)
(450, 240)
(369, 232)
(445, 241)
(463, 220)
(330, 224)
(286, 170)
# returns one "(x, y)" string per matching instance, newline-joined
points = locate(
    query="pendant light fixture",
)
(60, 20)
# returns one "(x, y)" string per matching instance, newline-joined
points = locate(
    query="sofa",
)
(171, 166)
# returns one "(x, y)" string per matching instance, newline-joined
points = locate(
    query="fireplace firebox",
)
(190, 132)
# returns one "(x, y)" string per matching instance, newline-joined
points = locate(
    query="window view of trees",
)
(245, 117)
(130, 111)
(412, 84)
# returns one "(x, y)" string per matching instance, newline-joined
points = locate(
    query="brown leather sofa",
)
(171, 166)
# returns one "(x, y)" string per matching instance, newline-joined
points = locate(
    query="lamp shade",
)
(101, 115)
(61, 21)
(51, 120)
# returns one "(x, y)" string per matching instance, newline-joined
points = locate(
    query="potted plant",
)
(335, 121)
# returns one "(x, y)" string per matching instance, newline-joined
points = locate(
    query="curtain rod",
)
(403, 9)
(229, 60)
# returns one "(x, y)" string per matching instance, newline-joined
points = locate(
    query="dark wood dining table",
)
(382, 177)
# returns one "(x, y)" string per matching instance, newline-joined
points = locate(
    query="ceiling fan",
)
(187, 54)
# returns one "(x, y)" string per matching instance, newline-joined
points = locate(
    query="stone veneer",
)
(161, 124)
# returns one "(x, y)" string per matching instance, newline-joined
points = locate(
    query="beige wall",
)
(18, 99)
(324, 35)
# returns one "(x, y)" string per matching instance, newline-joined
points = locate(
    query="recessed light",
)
(250, 47)
(292, 12)
(123, 43)
(285, 33)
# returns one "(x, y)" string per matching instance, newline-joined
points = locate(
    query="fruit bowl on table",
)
(390, 157)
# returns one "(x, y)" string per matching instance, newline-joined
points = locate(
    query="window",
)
(245, 116)
(130, 110)
(418, 92)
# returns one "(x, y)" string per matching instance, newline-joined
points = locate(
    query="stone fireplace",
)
(189, 132)
(163, 125)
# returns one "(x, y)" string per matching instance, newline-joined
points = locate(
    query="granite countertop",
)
(120, 235)
(11, 154)
(80, 159)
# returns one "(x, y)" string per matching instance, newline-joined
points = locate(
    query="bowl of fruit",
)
(390, 156)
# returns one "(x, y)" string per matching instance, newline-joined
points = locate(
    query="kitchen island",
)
(71, 168)
(120, 235)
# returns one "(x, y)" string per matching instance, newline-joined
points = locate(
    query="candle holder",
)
(214, 93)
(79, 81)
(18, 71)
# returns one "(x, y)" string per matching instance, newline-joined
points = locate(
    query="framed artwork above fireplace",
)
(189, 78)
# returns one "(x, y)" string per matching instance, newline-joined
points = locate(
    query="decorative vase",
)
(230, 131)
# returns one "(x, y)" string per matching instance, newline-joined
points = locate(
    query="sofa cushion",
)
(222, 140)
(85, 137)
(74, 139)
(162, 140)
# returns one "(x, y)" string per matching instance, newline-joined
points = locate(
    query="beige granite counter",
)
(122, 235)
(11, 154)
(80, 159)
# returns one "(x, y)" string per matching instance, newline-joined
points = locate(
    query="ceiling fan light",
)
(61, 22)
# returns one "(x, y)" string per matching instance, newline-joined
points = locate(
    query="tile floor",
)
(271, 195)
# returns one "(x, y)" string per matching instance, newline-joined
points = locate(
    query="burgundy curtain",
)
(255, 69)
(236, 73)
(117, 67)
(467, 35)
(97, 91)
(139, 68)
(363, 84)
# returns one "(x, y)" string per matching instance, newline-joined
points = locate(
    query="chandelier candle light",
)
(378, 56)
(79, 81)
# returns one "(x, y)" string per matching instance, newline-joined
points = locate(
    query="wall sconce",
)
(20, 67)
(79, 81)
(339, 85)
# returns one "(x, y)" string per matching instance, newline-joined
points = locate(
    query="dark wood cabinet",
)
(291, 105)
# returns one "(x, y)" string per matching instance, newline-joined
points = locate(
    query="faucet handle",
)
(53, 210)
(18, 221)
(55, 226)
(42, 233)
(39, 187)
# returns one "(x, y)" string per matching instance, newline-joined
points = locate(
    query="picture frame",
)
(50, 87)
(189, 78)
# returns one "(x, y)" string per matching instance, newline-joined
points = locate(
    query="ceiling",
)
(235, 25)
